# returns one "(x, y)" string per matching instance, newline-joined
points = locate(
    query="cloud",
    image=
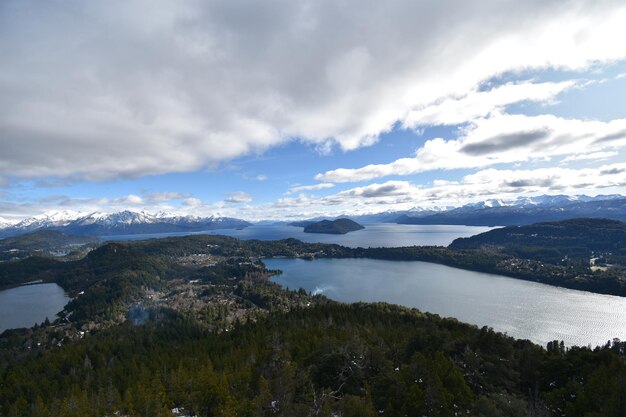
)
(506, 141)
(484, 184)
(164, 196)
(499, 139)
(192, 202)
(387, 189)
(290, 202)
(386, 196)
(202, 82)
(478, 104)
(148, 199)
(51, 183)
(594, 156)
(19, 208)
(314, 187)
(238, 197)
(546, 180)
(131, 199)
(52, 199)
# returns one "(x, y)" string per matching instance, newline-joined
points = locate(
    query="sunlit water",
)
(31, 304)
(522, 309)
(374, 234)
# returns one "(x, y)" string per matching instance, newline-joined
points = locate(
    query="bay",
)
(374, 234)
(28, 305)
(522, 309)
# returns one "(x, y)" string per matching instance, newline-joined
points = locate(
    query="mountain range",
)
(120, 223)
(524, 210)
(494, 212)
(501, 212)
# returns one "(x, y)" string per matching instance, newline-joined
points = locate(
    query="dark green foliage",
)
(43, 243)
(357, 360)
(109, 276)
(553, 241)
(336, 227)
(330, 359)
(155, 258)
(34, 268)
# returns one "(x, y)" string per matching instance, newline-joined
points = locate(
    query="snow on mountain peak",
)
(58, 219)
(49, 219)
(5, 223)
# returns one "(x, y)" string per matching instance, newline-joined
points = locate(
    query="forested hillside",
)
(333, 360)
(212, 337)
(45, 243)
(335, 227)
(552, 241)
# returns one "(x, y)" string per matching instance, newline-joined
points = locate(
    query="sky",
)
(291, 109)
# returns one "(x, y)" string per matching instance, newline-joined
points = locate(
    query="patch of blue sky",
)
(269, 175)
(598, 95)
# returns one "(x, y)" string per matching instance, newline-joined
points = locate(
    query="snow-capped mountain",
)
(553, 200)
(4, 223)
(387, 216)
(526, 210)
(489, 204)
(123, 222)
(501, 212)
(120, 218)
(48, 220)
(431, 209)
(536, 201)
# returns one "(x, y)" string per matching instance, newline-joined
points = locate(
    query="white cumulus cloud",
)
(499, 139)
(312, 187)
(126, 88)
(238, 197)
(477, 104)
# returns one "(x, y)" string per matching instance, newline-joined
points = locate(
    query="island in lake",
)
(209, 300)
(335, 227)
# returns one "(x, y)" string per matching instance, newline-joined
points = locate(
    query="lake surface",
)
(30, 304)
(522, 309)
(374, 234)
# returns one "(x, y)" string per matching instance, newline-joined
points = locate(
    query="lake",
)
(30, 304)
(522, 309)
(374, 234)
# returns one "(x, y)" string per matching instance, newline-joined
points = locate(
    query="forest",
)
(329, 360)
(562, 263)
(567, 241)
(223, 341)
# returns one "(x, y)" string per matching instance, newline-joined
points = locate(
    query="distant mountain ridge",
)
(499, 212)
(388, 216)
(492, 212)
(119, 223)
(526, 210)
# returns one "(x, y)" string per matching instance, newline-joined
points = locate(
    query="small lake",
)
(522, 309)
(30, 304)
(374, 234)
